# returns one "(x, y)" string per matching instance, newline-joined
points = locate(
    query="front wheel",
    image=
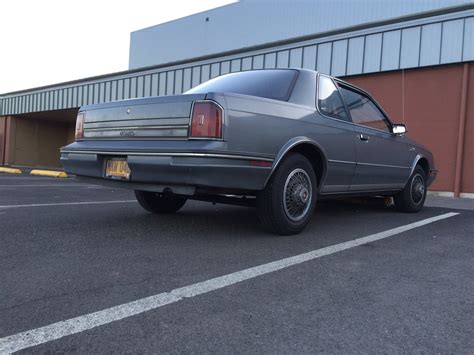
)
(159, 203)
(412, 197)
(287, 203)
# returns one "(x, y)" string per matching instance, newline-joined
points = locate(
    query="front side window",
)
(329, 99)
(363, 111)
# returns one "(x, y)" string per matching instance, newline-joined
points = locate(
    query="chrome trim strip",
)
(376, 187)
(385, 166)
(171, 154)
(138, 122)
(342, 162)
(136, 128)
(367, 164)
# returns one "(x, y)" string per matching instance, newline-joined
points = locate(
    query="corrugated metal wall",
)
(417, 43)
(250, 23)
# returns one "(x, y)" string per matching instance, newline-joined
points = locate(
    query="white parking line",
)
(31, 178)
(82, 323)
(66, 204)
(49, 185)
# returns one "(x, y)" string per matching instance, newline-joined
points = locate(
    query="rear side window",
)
(329, 99)
(271, 84)
(363, 111)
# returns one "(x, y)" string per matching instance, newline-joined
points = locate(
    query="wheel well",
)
(315, 157)
(424, 165)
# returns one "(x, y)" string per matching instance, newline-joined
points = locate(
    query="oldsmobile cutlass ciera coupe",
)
(275, 139)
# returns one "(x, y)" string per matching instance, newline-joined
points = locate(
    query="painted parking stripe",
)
(65, 204)
(89, 321)
(46, 185)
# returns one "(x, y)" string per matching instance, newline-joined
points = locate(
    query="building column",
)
(3, 133)
(461, 131)
(9, 144)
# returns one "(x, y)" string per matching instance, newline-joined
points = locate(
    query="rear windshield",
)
(273, 84)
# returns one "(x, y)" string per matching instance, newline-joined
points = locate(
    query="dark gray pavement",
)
(412, 292)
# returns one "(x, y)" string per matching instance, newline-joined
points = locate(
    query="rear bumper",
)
(193, 169)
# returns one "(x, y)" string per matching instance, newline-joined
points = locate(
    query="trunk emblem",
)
(127, 133)
(128, 111)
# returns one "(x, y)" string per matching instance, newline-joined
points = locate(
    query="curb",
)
(50, 173)
(10, 170)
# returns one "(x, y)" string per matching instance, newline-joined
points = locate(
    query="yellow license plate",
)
(117, 169)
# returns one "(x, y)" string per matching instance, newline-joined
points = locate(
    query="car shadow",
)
(204, 220)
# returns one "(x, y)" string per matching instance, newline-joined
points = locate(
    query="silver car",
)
(274, 139)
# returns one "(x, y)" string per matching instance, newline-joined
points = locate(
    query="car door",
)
(383, 160)
(335, 133)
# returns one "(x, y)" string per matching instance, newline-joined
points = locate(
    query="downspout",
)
(461, 131)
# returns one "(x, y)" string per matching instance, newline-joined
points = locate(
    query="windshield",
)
(271, 83)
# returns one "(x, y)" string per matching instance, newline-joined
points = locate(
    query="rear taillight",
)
(80, 125)
(206, 121)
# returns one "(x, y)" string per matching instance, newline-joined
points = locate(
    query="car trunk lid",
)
(164, 117)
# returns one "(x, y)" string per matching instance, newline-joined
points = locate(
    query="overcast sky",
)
(50, 41)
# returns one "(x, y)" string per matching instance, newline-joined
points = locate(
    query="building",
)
(415, 56)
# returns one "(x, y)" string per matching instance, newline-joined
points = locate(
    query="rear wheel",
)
(287, 203)
(159, 203)
(412, 197)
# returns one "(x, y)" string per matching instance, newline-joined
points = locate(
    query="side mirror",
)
(399, 129)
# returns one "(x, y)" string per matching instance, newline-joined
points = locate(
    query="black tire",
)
(412, 198)
(158, 203)
(295, 179)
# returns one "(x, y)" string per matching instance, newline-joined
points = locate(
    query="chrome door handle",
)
(363, 137)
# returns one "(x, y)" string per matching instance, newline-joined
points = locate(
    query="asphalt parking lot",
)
(85, 269)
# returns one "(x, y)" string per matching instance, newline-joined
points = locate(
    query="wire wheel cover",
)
(418, 188)
(297, 194)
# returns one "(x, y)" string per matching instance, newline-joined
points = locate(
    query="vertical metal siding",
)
(372, 53)
(408, 45)
(225, 67)
(258, 62)
(355, 55)
(296, 57)
(391, 50)
(430, 44)
(339, 57)
(309, 57)
(323, 62)
(283, 59)
(468, 50)
(452, 41)
(255, 22)
(409, 54)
